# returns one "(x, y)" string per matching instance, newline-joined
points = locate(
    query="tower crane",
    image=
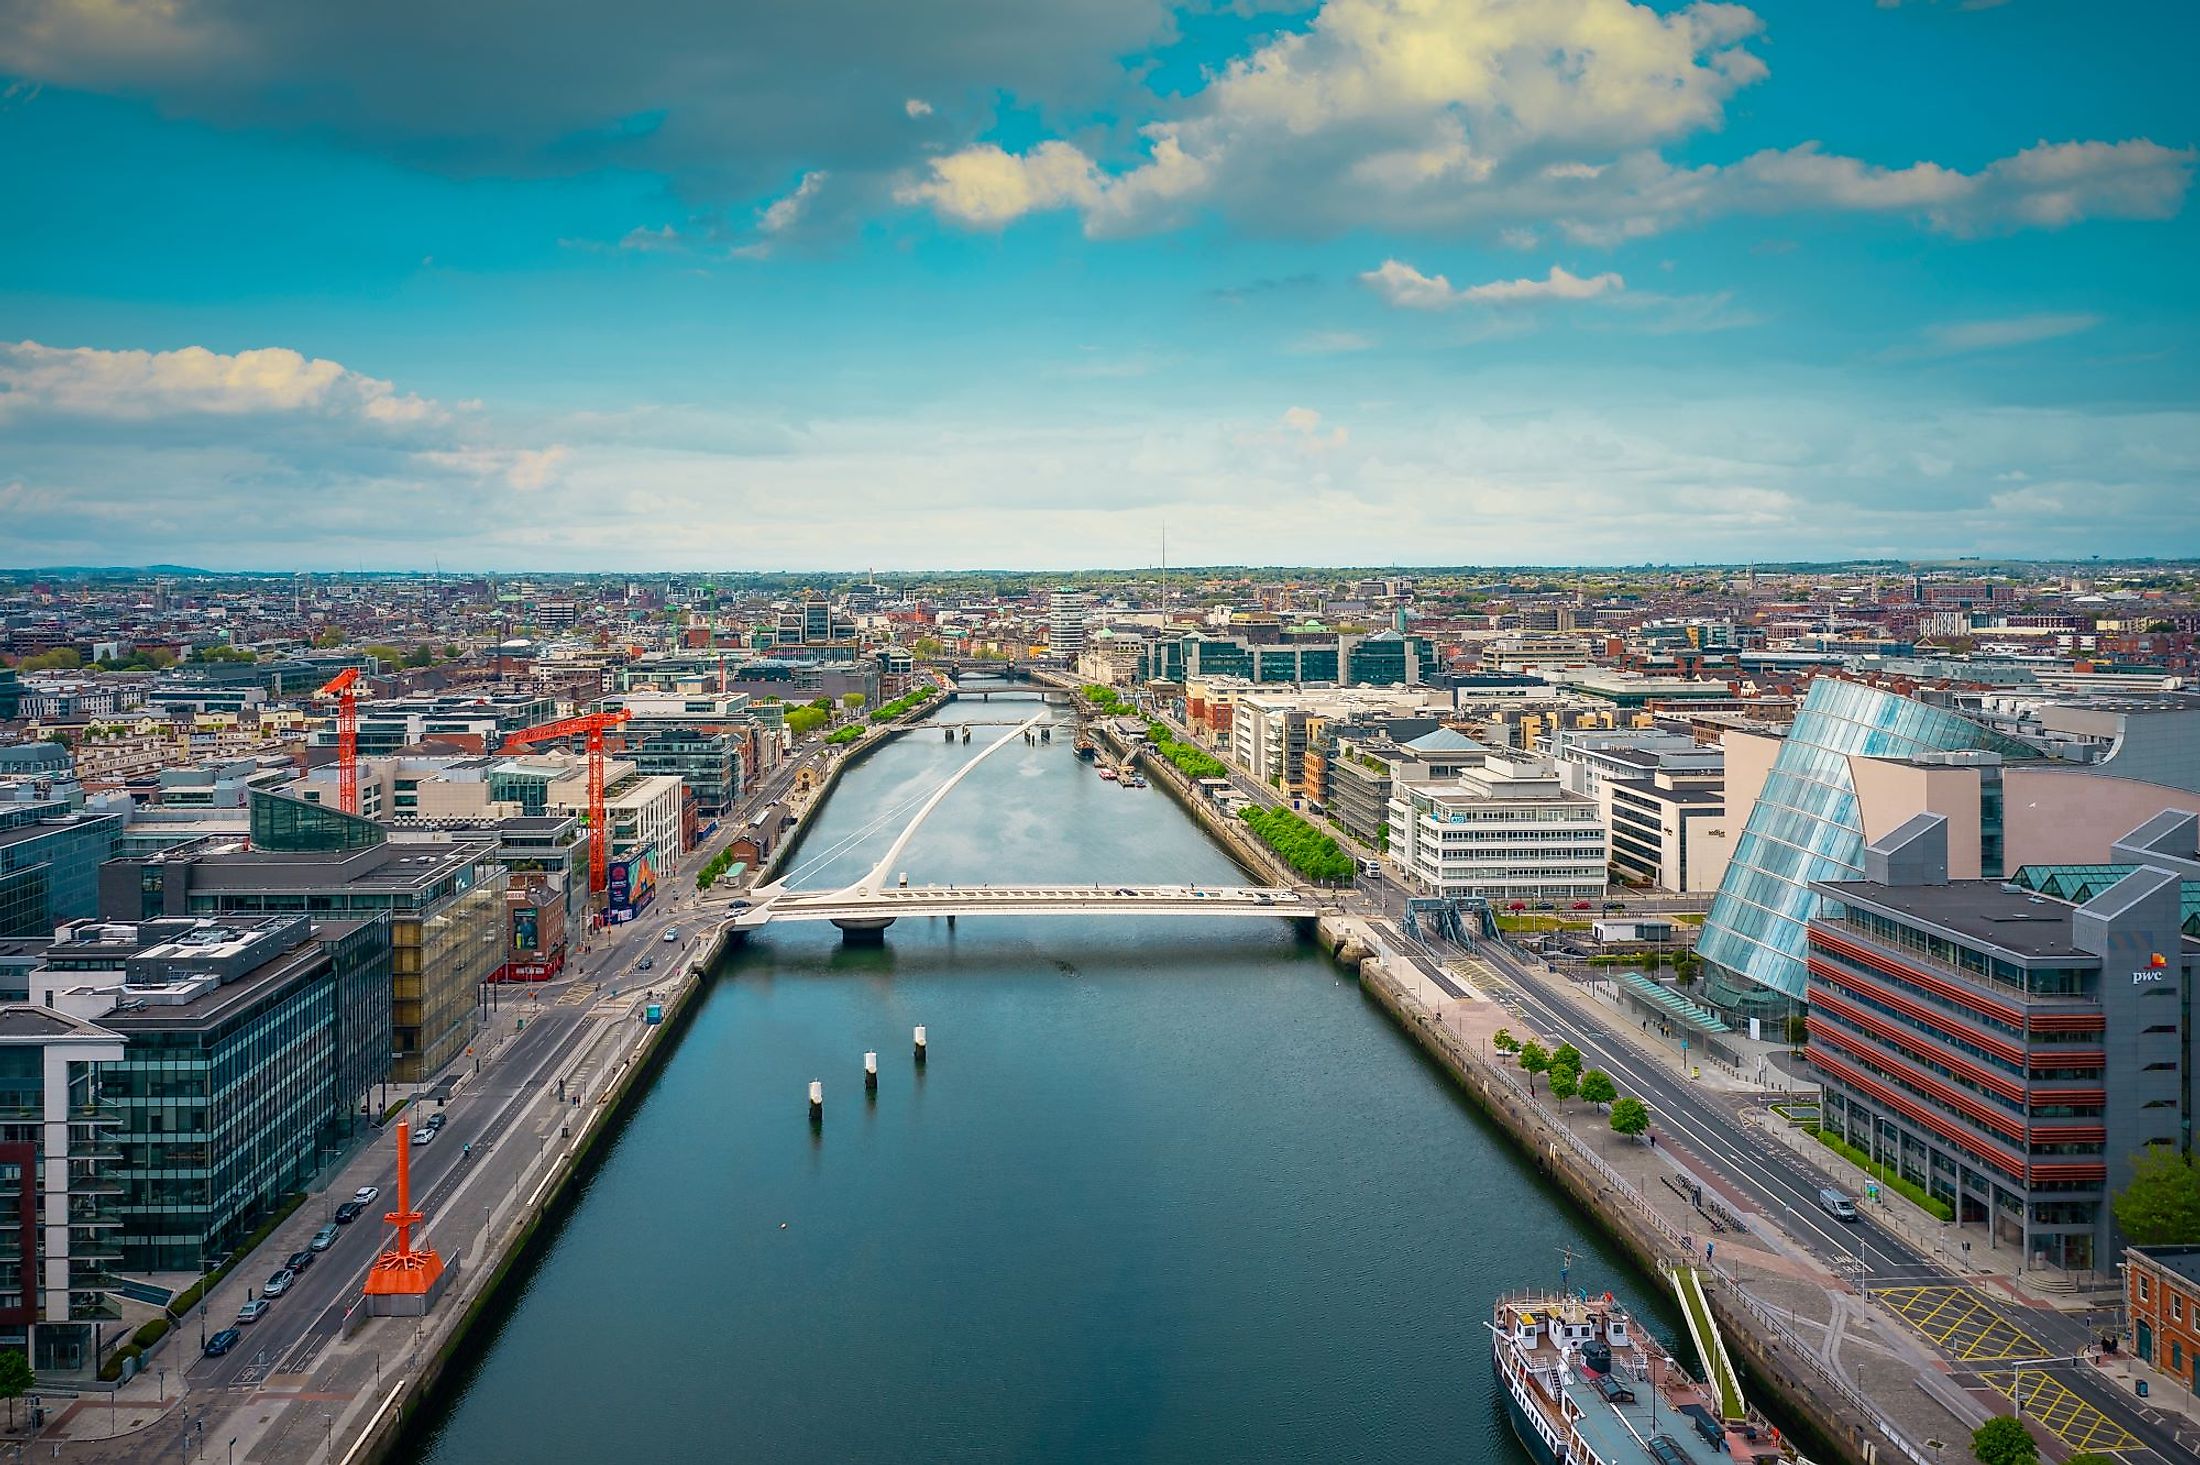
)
(344, 688)
(594, 725)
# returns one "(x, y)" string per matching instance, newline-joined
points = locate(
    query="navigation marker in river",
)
(920, 1045)
(817, 1101)
(870, 1074)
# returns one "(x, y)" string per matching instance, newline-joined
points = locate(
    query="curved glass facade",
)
(1805, 826)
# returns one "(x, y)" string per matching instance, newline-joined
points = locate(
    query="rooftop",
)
(2184, 1261)
(1985, 912)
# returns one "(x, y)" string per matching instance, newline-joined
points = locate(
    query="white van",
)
(1836, 1205)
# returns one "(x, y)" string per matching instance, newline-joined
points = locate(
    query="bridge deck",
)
(1024, 900)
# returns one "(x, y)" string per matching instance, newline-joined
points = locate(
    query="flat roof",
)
(2183, 1260)
(1981, 912)
(211, 1007)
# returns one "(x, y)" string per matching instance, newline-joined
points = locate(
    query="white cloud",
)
(917, 107)
(1508, 115)
(136, 385)
(783, 213)
(1402, 285)
(1994, 335)
(660, 240)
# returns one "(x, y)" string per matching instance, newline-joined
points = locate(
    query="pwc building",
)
(2011, 1045)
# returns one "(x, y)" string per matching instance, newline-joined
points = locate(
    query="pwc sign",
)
(2156, 970)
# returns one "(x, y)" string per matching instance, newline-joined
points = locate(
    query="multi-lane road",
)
(483, 1150)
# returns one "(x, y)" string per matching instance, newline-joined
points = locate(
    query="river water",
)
(1167, 1190)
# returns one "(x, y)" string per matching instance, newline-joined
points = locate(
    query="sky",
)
(703, 284)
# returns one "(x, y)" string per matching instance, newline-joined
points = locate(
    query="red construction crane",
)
(594, 725)
(344, 688)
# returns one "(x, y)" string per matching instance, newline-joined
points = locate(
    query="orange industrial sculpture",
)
(599, 834)
(344, 688)
(403, 1271)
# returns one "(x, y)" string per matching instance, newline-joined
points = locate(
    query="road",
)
(514, 1065)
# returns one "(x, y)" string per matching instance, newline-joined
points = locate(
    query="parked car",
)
(278, 1284)
(349, 1212)
(425, 1135)
(299, 1261)
(324, 1238)
(366, 1194)
(254, 1310)
(223, 1341)
(1582, 905)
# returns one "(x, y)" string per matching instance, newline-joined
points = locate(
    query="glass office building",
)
(1805, 826)
(49, 865)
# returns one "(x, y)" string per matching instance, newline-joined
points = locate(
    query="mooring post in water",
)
(870, 1074)
(920, 1047)
(817, 1101)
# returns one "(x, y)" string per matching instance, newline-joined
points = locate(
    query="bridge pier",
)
(867, 931)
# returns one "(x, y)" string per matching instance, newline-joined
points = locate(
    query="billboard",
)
(630, 885)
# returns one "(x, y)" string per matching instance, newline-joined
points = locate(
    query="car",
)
(299, 1261)
(278, 1284)
(672, 935)
(223, 1341)
(324, 1238)
(435, 1120)
(645, 964)
(254, 1310)
(349, 1212)
(1581, 905)
(366, 1194)
(426, 1135)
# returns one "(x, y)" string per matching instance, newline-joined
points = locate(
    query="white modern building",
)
(1066, 613)
(1505, 829)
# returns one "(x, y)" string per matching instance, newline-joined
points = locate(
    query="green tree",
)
(452, 653)
(420, 656)
(2161, 1205)
(328, 640)
(1630, 1116)
(387, 655)
(16, 1380)
(61, 658)
(1565, 1082)
(1567, 1056)
(1684, 965)
(1534, 1059)
(1504, 1042)
(2003, 1440)
(802, 721)
(927, 646)
(1597, 1087)
(852, 700)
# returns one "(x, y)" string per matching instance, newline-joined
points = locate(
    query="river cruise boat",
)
(1586, 1385)
(1107, 773)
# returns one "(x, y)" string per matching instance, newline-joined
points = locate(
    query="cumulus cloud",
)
(139, 385)
(1505, 115)
(917, 107)
(1402, 285)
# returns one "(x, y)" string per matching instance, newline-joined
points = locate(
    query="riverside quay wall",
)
(1782, 1366)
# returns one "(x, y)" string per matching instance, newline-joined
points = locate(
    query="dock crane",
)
(344, 687)
(594, 725)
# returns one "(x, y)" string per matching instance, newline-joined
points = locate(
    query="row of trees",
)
(1304, 848)
(1567, 1080)
(1187, 759)
(895, 708)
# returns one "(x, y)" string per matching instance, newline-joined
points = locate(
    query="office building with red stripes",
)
(2002, 1044)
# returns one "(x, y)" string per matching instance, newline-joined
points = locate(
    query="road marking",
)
(2039, 1395)
(1961, 1322)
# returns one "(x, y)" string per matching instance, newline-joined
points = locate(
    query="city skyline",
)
(1362, 281)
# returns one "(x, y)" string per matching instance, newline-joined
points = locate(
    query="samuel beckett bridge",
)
(879, 897)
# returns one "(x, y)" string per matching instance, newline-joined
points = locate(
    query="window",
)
(2142, 1278)
(2176, 1307)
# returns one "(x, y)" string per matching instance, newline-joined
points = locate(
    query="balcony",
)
(94, 1185)
(93, 1307)
(94, 1249)
(102, 1114)
(94, 1218)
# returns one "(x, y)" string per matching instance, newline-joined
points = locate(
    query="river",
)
(1166, 1191)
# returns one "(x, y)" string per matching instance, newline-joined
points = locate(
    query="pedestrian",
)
(1707, 1252)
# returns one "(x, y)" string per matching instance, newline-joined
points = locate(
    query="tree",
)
(16, 1380)
(328, 640)
(1565, 1082)
(1597, 1087)
(2003, 1440)
(927, 646)
(1534, 1059)
(802, 721)
(1504, 1042)
(1684, 966)
(2161, 1205)
(61, 658)
(1567, 1056)
(1630, 1116)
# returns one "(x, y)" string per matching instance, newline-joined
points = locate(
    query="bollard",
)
(920, 1047)
(870, 1074)
(817, 1101)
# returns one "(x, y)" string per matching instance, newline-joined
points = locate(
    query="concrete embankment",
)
(1782, 1366)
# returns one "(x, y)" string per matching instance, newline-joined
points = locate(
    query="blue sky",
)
(679, 284)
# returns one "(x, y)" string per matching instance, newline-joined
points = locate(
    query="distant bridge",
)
(878, 898)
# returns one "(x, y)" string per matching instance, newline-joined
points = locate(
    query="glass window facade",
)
(49, 866)
(291, 825)
(1804, 827)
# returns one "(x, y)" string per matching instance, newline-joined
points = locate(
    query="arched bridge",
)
(877, 899)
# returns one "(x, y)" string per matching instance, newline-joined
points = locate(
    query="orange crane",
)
(344, 688)
(594, 724)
